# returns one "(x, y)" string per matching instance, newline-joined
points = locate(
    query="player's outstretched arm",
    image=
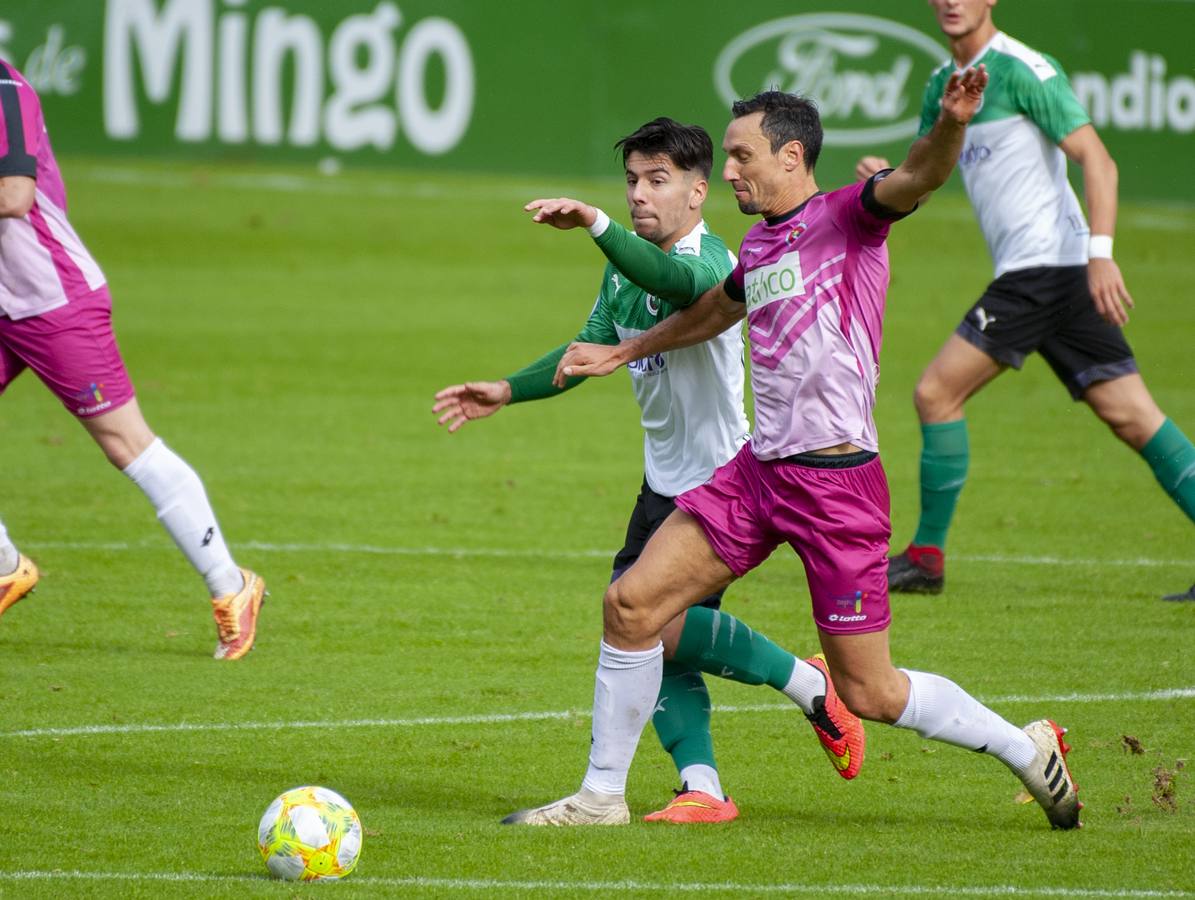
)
(712, 314)
(562, 212)
(677, 279)
(1100, 181)
(932, 157)
(461, 403)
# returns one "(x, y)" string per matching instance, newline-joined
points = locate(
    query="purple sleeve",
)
(20, 124)
(863, 215)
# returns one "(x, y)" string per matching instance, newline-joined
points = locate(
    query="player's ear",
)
(699, 191)
(792, 155)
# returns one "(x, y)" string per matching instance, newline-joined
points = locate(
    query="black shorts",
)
(1048, 309)
(651, 509)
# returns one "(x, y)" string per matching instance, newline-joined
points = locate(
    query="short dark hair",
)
(688, 146)
(786, 117)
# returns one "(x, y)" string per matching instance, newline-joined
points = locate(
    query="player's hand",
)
(586, 360)
(562, 213)
(1112, 300)
(964, 94)
(461, 403)
(869, 165)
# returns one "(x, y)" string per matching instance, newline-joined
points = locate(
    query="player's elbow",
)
(17, 196)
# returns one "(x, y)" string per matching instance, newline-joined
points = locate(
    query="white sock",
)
(10, 558)
(942, 711)
(700, 777)
(624, 697)
(183, 509)
(804, 685)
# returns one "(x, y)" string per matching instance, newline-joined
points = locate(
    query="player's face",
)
(662, 198)
(754, 172)
(959, 18)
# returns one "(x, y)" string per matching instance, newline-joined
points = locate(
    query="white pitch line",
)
(502, 718)
(553, 553)
(655, 887)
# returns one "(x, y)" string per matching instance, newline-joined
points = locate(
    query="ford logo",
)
(865, 73)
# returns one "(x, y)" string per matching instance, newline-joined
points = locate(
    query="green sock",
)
(944, 458)
(682, 717)
(1172, 458)
(720, 644)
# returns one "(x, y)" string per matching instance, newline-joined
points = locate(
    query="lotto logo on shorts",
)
(93, 399)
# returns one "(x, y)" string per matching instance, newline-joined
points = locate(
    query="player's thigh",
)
(11, 365)
(676, 569)
(866, 680)
(73, 351)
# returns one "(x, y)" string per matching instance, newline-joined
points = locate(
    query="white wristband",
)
(1099, 246)
(599, 226)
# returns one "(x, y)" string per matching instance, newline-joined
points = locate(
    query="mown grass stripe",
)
(501, 718)
(739, 888)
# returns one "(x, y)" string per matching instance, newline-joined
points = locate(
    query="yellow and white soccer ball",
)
(308, 834)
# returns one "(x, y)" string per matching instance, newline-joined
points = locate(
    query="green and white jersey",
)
(691, 399)
(1012, 167)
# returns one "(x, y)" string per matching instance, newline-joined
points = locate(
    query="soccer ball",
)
(308, 834)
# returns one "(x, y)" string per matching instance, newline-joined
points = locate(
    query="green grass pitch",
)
(429, 642)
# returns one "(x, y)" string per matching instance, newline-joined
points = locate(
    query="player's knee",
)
(624, 617)
(931, 398)
(1134, 423)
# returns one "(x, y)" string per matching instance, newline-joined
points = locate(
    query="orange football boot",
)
(18, 583)
(695, 806)
(236, 617)
(839, 729)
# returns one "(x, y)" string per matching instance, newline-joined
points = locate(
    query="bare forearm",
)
(712, 314)
(1100, 182)
(932, 158)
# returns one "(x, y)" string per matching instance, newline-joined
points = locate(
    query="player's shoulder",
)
(1018, 60)
(703, 244)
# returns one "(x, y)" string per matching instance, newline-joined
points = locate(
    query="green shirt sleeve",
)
(678, 278)
(534, 381)
(931, 102)
(1051, 102)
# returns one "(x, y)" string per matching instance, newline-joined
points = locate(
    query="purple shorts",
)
(73, 351)
(835, 519)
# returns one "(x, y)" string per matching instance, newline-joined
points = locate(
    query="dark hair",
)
(786, 117)
(688, 146)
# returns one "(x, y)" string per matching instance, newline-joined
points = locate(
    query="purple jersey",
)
(814, 281)
(43, 264)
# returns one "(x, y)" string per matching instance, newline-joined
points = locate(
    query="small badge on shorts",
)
(984, 319)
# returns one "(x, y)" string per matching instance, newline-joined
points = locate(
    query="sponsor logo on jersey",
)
(617, 282)
(865, 71)
(780, 280)
(974, 153)
(648, 367)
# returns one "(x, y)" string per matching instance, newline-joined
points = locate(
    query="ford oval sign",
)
(866, 74)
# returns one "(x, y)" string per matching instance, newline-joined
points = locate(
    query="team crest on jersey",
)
(799, 229)
(652, 304)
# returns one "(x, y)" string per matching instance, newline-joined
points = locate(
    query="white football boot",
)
(1048, 779)
(582, 808)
